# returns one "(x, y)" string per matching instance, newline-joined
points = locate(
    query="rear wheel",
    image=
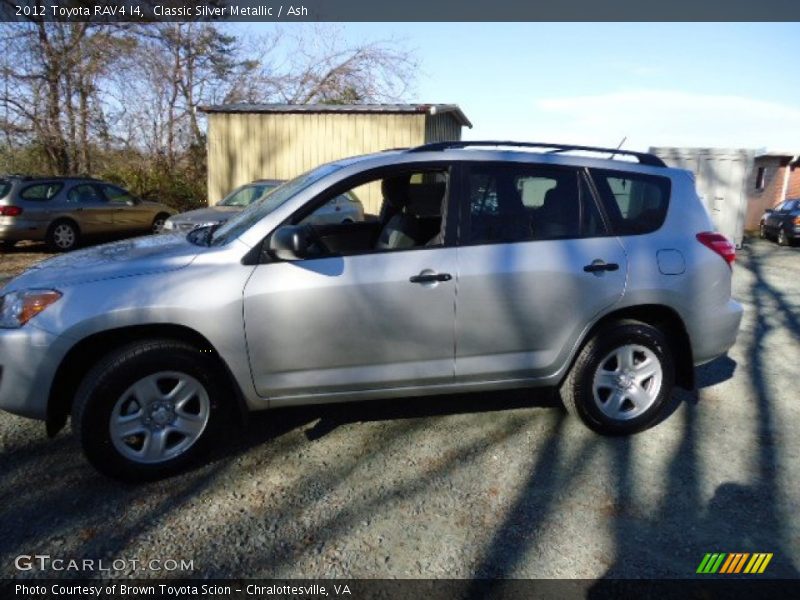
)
(621, 379)
(148, 410)
(62, 236)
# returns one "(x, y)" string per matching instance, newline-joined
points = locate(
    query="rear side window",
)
(521, 203)
(84, 194)
(5, 187)
(635, 203)
(41, 191)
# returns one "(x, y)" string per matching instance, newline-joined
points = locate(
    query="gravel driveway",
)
(488, 485)
(15, 260)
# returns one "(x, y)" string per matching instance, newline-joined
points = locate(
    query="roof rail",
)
(644, 158)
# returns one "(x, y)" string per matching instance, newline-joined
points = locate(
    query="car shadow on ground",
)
(329, 417)
(55, 514)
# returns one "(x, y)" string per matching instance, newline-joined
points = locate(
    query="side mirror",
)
(289, 242)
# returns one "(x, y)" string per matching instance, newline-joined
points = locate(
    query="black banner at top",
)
(142, 11)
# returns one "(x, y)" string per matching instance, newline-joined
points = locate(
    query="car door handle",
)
(598, 266)
(430, 277)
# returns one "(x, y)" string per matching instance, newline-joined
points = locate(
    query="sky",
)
(663, 84)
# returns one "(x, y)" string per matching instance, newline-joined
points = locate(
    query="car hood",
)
(125, 258)
(212, 214)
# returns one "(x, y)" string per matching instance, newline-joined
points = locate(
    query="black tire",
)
(7, 245)
(63, 236)
(577, 391)
(158, 223)
(106, 384)
(783, 239)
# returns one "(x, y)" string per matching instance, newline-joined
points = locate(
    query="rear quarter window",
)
(5, 187)
(41, 191)
(635, 203)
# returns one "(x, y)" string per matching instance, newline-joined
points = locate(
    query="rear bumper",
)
(713, 334)
(22, 229)
(29, 358)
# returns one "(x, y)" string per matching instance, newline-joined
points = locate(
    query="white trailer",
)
(722, 177)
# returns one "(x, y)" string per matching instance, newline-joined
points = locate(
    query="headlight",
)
(17, 308)
(168, 225)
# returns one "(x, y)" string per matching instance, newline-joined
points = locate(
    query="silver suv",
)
(493, 265)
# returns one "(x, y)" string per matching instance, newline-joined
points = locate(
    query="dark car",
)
(782, 222)
(62, 210)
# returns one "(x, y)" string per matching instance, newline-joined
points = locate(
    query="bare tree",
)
(322, 68)
(52, 80)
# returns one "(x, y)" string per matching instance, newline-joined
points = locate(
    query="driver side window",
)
(400, 210)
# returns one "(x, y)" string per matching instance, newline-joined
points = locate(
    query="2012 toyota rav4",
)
(492, 265)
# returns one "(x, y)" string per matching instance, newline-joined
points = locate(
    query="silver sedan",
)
(345, 208)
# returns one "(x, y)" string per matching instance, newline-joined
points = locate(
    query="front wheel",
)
(621, 379)
(148, 410)
(783, 239)
(762, 231)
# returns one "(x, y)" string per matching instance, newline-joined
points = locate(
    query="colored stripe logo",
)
(734, 562)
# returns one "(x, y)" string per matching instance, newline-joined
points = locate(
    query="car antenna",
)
(624, 137)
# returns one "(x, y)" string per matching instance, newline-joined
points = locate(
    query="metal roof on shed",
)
(430, 109)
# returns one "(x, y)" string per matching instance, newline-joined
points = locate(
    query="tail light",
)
(719, 244)
(10, 211)
(797, 220)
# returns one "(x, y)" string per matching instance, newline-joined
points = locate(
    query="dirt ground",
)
(15, 260)
(485, 485)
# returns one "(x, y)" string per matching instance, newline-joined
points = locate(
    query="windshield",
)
(241, 222)
(247, 194)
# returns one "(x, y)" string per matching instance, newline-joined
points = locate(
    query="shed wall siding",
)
(247, 146)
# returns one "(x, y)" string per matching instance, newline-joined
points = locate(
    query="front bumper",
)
(186, 226)
(29, 358)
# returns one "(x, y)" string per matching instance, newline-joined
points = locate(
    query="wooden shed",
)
(280, 141)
